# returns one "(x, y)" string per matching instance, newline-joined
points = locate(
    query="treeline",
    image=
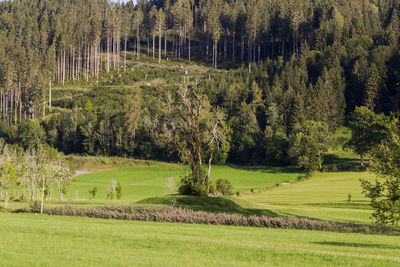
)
(47, 41)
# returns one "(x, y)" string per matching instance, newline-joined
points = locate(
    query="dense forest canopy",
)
(280, 63)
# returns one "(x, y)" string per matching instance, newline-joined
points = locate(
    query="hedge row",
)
(180, 215)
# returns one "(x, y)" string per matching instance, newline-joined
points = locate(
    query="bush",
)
(194, 186)
(92, 192)
(224, 187)
(118, 190)
(34, 207)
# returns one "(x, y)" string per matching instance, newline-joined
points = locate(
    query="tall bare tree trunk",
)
(154, 45)
(138, 42)
(165, 43)
(63, 69)
(209, 171)
(233, 47)
(159, 44)
(189, 45)
(42, 200)
(50, 95)
(125, 43)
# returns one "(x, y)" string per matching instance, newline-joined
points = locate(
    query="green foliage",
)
(31, 134)
(118, 190)
(368, 130)
(193, 184)
(93, 192)
(385, 192)
(309, 143)
(223, 186)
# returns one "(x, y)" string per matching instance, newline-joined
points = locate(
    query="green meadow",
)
(323, 196)
(40, 240)
(144, 182)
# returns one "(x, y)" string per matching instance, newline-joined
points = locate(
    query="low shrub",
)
(180, 215)
(224, 187)
(93, 192)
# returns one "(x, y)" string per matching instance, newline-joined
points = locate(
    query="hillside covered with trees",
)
(276, 69)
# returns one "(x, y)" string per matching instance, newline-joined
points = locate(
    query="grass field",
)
(36, 240)
(140, 183)
(323, 196)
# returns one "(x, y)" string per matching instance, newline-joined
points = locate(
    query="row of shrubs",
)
(180, 215)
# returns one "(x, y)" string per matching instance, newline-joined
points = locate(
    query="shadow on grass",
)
(357, 245)
(333, 162)
(273, 170)
(358, 205)
(217, 204)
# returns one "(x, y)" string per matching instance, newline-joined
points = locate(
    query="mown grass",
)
(323, 196)
(140, 183)
(39, 240)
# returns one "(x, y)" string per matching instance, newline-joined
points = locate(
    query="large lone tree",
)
(194, 129)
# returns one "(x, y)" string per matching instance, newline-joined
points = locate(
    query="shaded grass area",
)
(100, 163)
(217, 204)
(30, 240)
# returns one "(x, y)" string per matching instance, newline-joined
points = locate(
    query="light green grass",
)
(323, 196)
(35, 240)
(331, 187)
(145, 182)
(137, 183)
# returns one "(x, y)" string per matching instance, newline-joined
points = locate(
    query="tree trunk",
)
(63, 69)
(125, 42)
(233, 48)
(41, 205)
(50, 95)
(242, 46)
(226, 44)
(138, 43)
(108, 53)
(165, 43)
(189, 45)
(23, 191)
(154, 46)
(209, 172)
(159, 43)
(6, 200)
(216, 53)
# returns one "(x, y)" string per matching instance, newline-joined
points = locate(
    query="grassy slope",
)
(139, 183)
(32, 240)
(323, 196)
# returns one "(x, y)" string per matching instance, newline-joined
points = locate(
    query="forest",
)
(276, 68)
